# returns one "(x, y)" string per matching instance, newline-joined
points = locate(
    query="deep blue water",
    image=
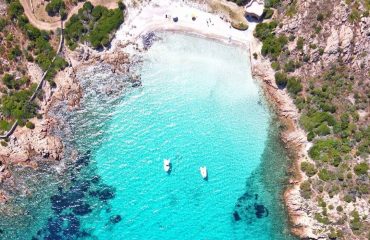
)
(198, 105)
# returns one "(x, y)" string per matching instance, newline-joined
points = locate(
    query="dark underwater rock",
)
(82, 209)
(104, 194)
(236, 216)
(115, 219)
(249, 208)
(95, 179)
(261, 211)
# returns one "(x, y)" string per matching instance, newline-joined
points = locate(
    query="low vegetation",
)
(56, 7)
(21, 42)
(93, 25)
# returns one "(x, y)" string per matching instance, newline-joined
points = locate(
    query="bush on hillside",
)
(55, 7)
(30, 125)
(15, 9)
(361, 168)
(281, 79)
(267, 13)
(326, 175)
(311, 121)
(17, 106)
(325, 149)
(308, 168)
(294, 86)
(94, 25)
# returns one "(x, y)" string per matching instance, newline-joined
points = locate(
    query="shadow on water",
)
(262, 202)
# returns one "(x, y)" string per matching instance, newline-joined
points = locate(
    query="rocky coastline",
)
(29, 147)
(293, 137)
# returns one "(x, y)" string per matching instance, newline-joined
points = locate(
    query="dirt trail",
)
(34, 20)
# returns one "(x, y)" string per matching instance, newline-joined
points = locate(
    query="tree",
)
(15, 10)
(54, 7)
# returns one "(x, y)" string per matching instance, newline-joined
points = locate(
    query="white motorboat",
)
(167, 165)
(203, 172)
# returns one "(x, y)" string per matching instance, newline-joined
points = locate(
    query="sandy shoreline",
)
(152, 18)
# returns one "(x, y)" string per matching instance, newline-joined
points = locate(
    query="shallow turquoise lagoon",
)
(198, 105)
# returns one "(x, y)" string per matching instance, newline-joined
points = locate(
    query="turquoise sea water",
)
(198, 105)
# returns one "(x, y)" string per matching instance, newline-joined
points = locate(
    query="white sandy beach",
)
(152, 17)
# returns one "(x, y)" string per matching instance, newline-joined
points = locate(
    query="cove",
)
(198, 105)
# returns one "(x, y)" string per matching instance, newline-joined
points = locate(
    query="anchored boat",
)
(203, 172)
(167, 165)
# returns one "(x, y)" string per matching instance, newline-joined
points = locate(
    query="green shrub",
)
(281, 79)
(15, 52)
(305, 189)
(55, 7)
(275, 65)
(290, 66)
(3, 24)
(16, 105)
(267, 13)
(300, 43)
(294, 86)
(326, 175)
(348, 198)
(356, 223)
(8, 80)
(322, 130)
(339, 208)
(4, 125)
(272, 3)
(310, 136)
(30, 125)
(313, 120)
(355, 16)
(308, 168)
(272, 45)
(361, 168)
(322, 219)
(93, 24)
(321, 51)
(15, 9)
(325, 149)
